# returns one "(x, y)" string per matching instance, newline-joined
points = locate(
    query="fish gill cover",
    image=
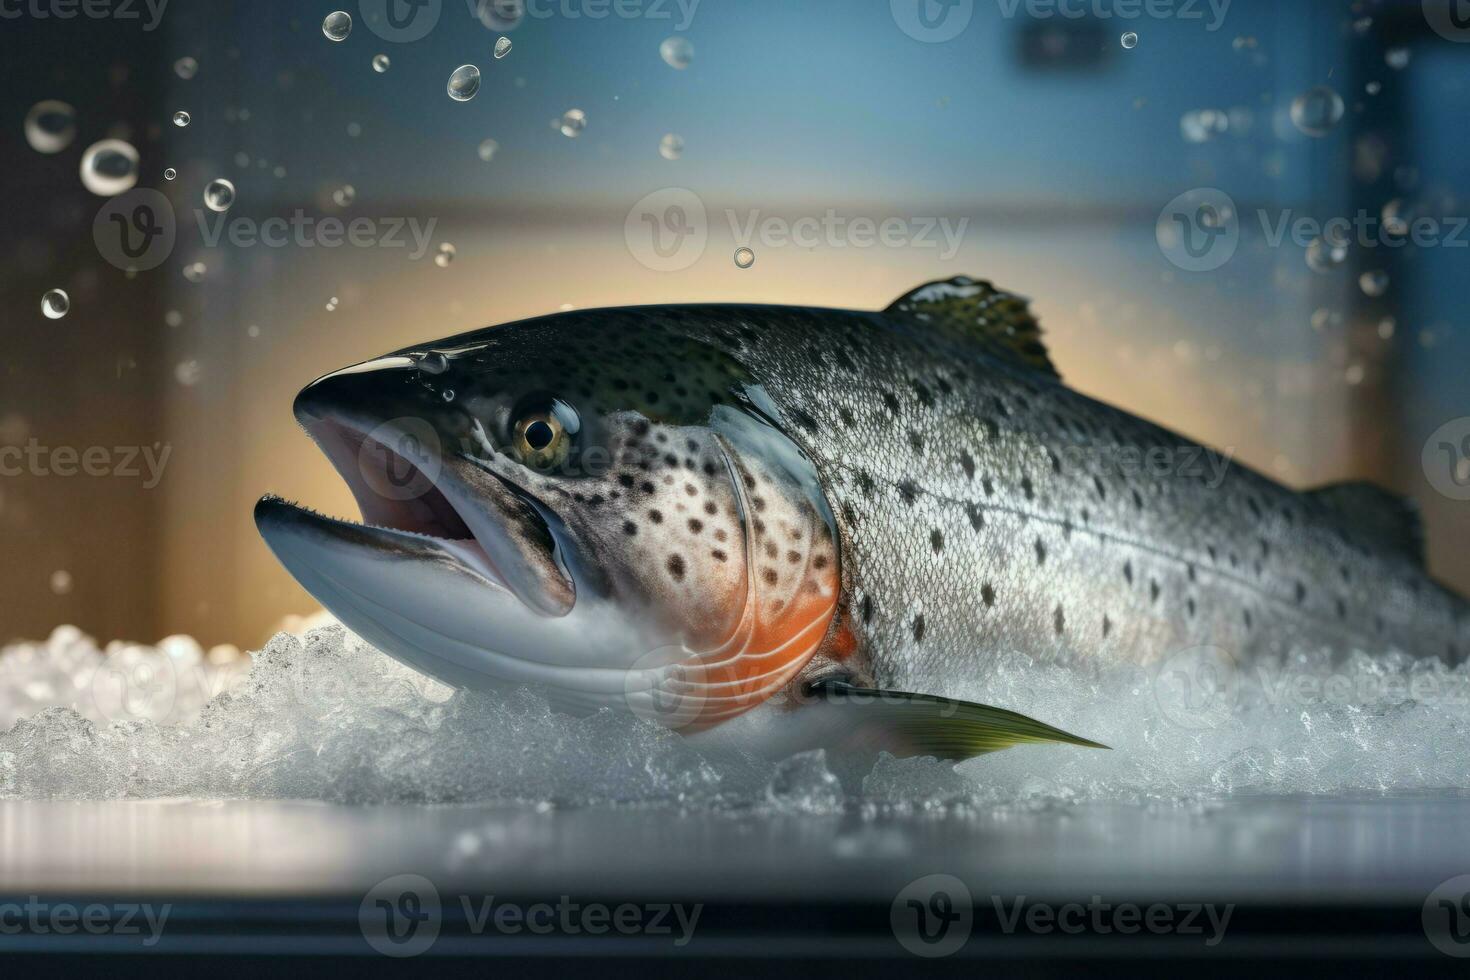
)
(325, 716)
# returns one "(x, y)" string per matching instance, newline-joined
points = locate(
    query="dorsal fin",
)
(973, 310)
(1376, 517)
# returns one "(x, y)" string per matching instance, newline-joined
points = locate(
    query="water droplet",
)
(219, 194)
(671, 147)
(1374, 283)
(1203, 125)
(1373, 88)
(195, 271)
(170, 174)
(381, 62)
(1316, 111)
(60, 582)
(433, 363)
(502, 47)
(181, 119)
(109, 167)
(464, 83)
(337, 25)
(344, 195)
(55, 304)
(744, 257)
(448, 394)
(677, 52)
(573, 121)
(332, 305)
(186, 68)
(51, 125)
(252, 331)
(1398, 217)
(445, 255)
(188, 373)
(1130, 40)
(487, 150)
(1397, 58)
(1325, 255)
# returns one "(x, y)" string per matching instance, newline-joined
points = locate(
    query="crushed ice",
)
(325, 716)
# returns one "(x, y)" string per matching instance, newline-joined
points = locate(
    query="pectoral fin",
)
(843, 717)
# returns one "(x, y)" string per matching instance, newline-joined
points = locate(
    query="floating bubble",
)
(464, 83)
(181, 119)
(170, 174)
(448, 394)
(573, 121)
(1129, 40)
(55, 304)
(195, 271)
(109, 168)
(744, 257)
(1316, 111)
(1397, 58)
(502, 47)
(488, 149)
(1398, 217)
(445, 255)
(188, 373)
(51, 125)
(1326, 254)
(337, 25)
(354, 129)
(332, 305)
(381, 63)
(60, 582)
(1363, 25)
(677, 52)
(1354, 374)
(219, 195)
(1386, 328)
(186, 68)
(1374, 283)
(1245, 42)
(173, 318)
(1203, 125)
(344, 195)
(671, 147)
(1373, 88)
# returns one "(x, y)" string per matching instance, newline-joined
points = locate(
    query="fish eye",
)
(542, 432)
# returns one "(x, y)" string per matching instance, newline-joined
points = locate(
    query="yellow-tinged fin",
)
(906, 725)
(973, 310)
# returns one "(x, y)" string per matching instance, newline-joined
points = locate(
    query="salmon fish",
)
(694, 511)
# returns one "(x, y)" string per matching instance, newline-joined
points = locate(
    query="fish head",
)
(606, 507)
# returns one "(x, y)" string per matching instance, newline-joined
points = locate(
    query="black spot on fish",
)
(1301, 593)
(916, 441)
(926, 397)
(626, 481)
(867, 605)
(1341, 608)
(1040, 552)
(770, 576)
(1190, 606)
(1128, 571)
(1137, 500)
(919, 628)
(1249, 624)
(656, 516)
(890, 401)
(909, 491)
(1028, 488)
(865, 483)
(936, 540)
(629, 528)
(977, 519)
(1056, 462)
(696, 525)
(989, 486)
(676, 567)
(1102, 491)
(1107, 626)
(1153, 590)
(846, 416)
(1059, 619)
(987, 594)
(805, 421)
(967, 463)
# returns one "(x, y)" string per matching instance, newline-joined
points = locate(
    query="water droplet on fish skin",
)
(181, 119)
(219, 195)
(337, 25)
(433, 363)
(55, 304)
(1324, 256)
(170, 174)
(1316, 111)
(61, 582)
(1129, 40)
(186, 68)
(671, 147)
(464, 83)
(502, 47)
(109, 167)
(487, 150)
(1397, 58)
(677, 52)
(573, 121)
(744, 257)
(381, 63)
(445, 255)
(344, 195)
(1374, 283)
(51, 125)
(195, 271)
